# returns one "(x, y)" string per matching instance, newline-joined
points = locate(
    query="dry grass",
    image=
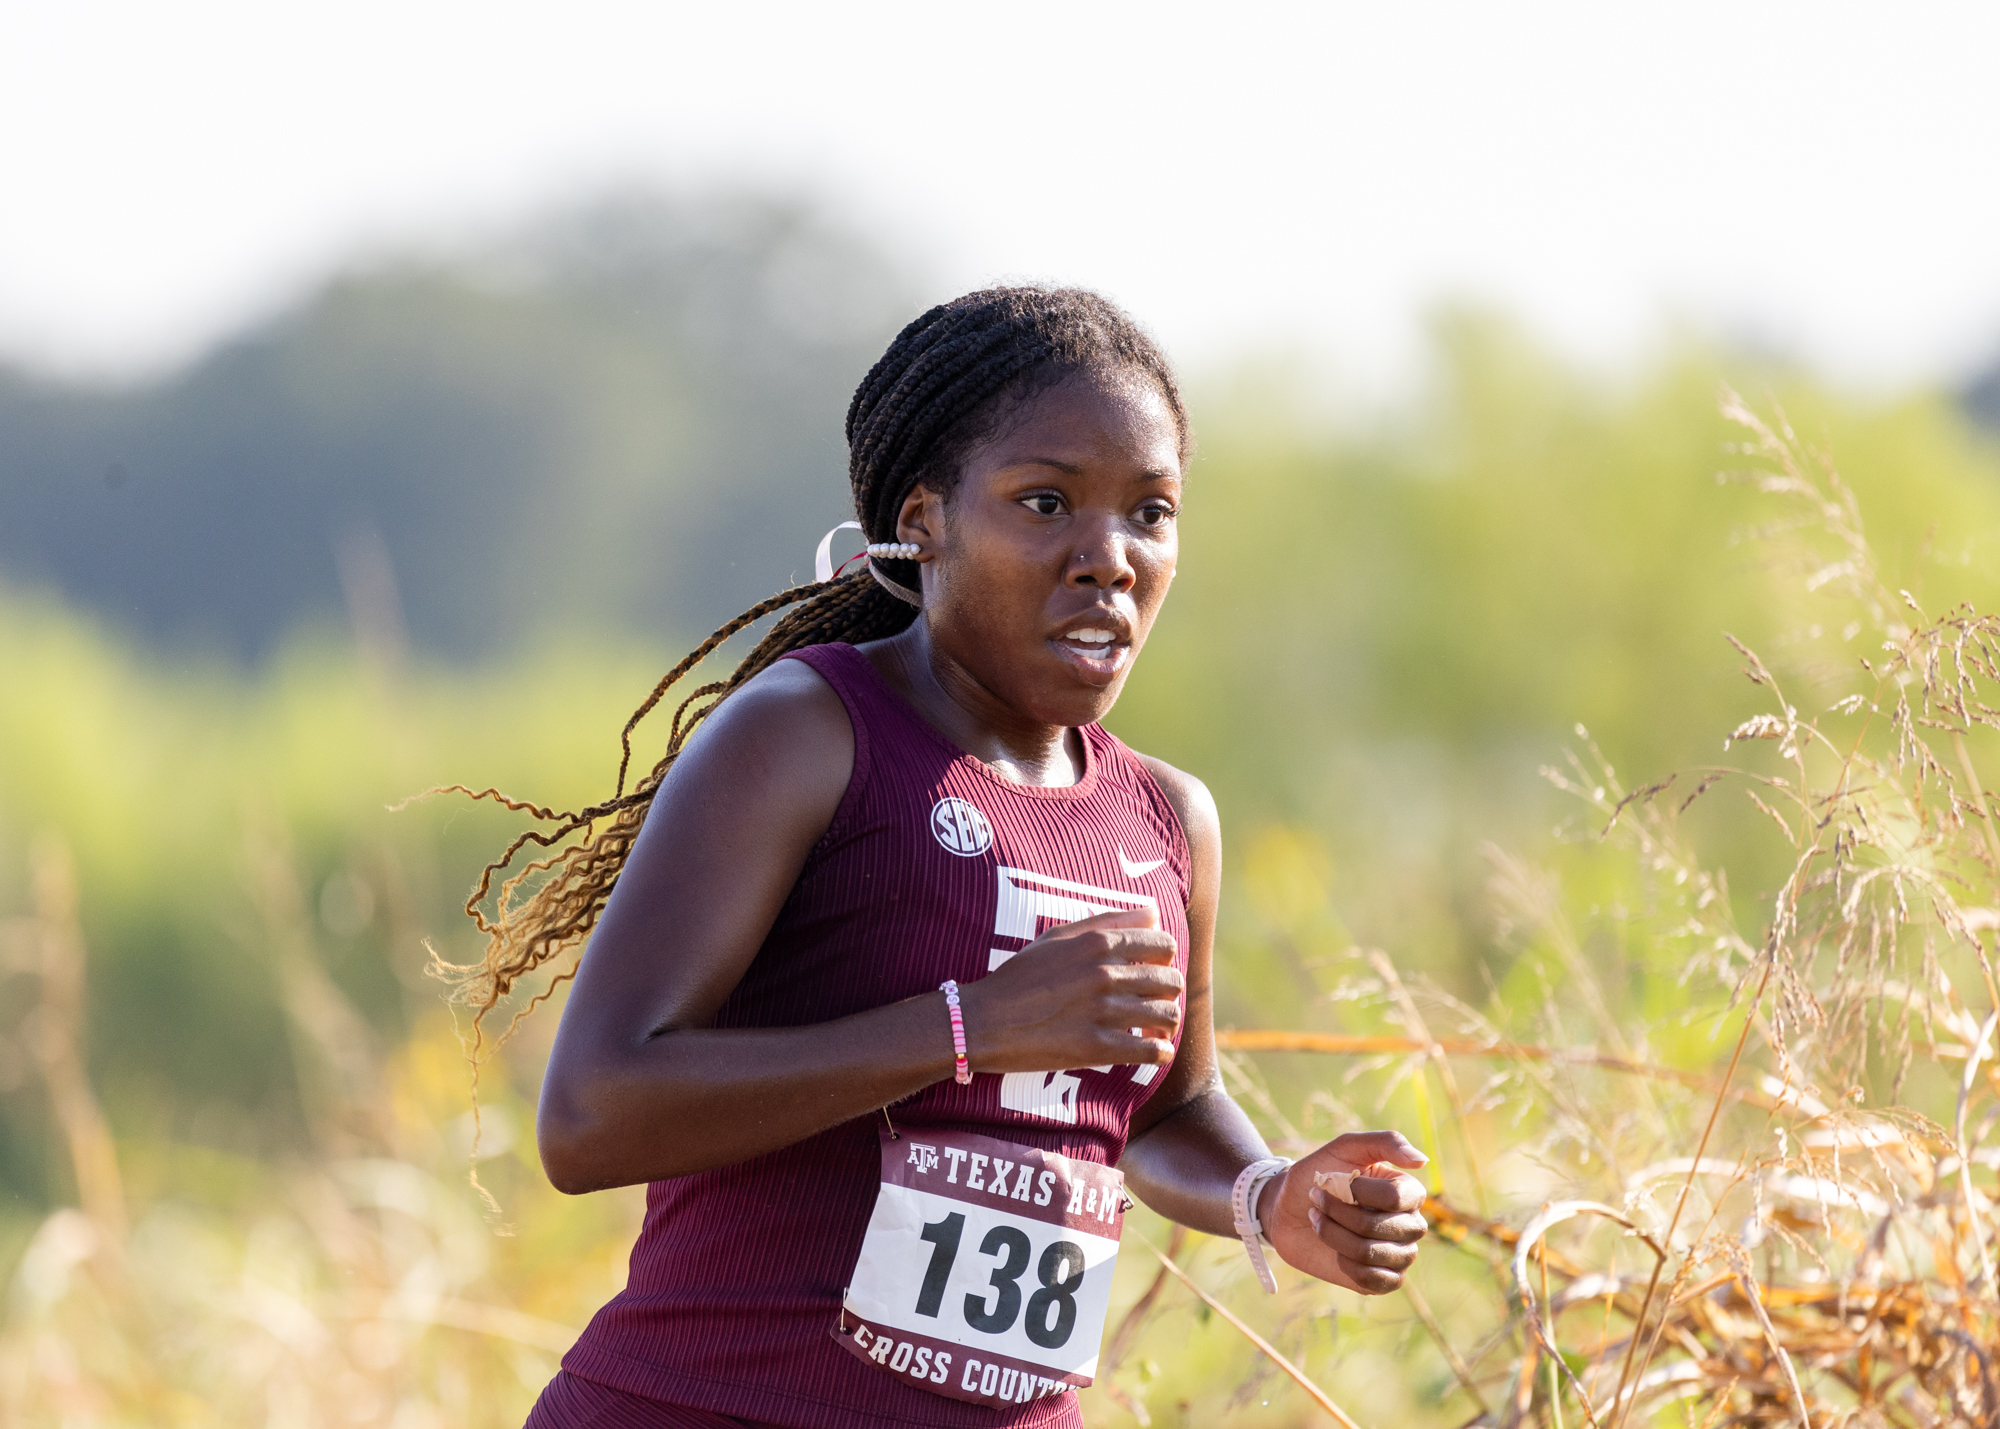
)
(1830, 1260)
(1803, 1231)
(357, 1286)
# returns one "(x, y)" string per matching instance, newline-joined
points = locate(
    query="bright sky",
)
(1816, 177)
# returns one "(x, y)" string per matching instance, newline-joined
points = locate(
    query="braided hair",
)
(949, 381)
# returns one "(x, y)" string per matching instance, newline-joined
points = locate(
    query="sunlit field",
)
(1604, 768)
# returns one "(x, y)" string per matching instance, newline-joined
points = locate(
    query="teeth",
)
(1091, 637)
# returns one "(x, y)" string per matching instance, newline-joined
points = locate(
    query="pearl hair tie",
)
(880, 551)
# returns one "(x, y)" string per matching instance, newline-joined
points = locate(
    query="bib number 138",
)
(985, 1273)
(1051, 1318)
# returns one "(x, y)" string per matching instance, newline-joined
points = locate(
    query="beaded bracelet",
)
(962, 1073)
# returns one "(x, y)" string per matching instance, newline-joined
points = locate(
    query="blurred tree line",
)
(556, 462)
(614, 418)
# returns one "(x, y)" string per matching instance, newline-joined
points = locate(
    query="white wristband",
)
(1243, 1209)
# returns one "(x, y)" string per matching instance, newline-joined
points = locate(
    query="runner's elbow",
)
(566, 1151)
(598, 1140)
(575, 1142)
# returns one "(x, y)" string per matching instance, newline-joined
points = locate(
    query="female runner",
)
(904, 910)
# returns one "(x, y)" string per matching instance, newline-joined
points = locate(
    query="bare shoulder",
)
(1191, 802)
(791, 691)
(785, 730)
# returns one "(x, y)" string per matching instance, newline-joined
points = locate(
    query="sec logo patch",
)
(960, 828)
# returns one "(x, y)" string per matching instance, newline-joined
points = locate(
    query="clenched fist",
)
(1365, 1246)
(1100, 990)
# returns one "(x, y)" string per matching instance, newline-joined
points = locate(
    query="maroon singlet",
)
(934, 867)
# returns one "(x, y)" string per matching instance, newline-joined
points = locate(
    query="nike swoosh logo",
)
(1137, 870)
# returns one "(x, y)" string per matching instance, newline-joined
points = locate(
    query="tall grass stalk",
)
(1819, 1241)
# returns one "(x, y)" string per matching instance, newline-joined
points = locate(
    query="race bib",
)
(986, 1271)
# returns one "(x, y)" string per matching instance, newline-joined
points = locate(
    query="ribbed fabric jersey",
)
(934, 867)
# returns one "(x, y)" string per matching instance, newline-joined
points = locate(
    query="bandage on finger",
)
(1341, 1183)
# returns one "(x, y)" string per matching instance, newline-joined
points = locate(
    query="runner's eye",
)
(1044, 503)
(1155, 513)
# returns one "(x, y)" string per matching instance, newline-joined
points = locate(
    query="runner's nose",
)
(1099, 559)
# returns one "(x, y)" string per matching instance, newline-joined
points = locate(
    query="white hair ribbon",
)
(902, 593)
(823, 557)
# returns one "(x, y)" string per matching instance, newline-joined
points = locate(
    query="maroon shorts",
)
(573, 1403)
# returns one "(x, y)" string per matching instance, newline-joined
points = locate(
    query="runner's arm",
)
(1190, 1140)
(638, 1086)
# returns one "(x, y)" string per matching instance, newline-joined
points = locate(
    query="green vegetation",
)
(1378, 638)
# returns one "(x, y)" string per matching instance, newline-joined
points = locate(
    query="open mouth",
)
(1096, 651)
